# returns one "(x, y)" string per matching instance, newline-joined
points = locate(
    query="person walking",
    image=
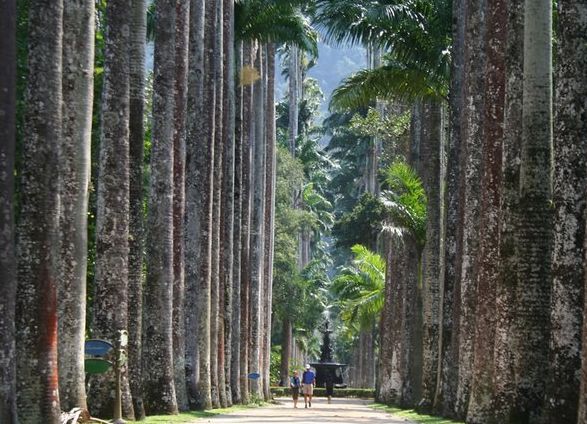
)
(308, 383)
(295, 384)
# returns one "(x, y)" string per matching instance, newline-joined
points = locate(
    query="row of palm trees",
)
(487, 325)
(191, 280)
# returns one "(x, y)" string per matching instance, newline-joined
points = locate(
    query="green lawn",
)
(188, 417)
(413, 415)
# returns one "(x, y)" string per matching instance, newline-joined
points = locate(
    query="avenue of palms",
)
(435, 218)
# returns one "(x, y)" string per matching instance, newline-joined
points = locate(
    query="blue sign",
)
(254, 375)
(97, 347)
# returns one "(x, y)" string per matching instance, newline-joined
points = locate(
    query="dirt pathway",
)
(343, 411)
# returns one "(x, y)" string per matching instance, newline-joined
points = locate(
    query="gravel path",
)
(343, 411)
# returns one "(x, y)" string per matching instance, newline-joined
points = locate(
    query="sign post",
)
(120, 359)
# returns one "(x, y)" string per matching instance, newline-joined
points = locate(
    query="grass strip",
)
(412, 415)
(191, 416)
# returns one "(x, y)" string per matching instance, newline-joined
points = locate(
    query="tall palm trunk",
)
(246, 222)
(7, 253)
(570, 176)
(503, 376)
(474, 66)
(112, 219)
(204, 166)
(432, 136)
(228, 192)
(445, 397)
(293, 96)
(179, 154)
(216, 321)
(481, 408)
(257, 227)
(38, 238)
(235, 371)
(534, 231)
(138, 29)
(286, 351)
(270, 184)
(78, 62)
(158, 371)
(197, 192)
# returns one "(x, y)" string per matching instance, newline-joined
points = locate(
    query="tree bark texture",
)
(570, 180)
(391, 374)
(198, 190)
(112, 219)
(215, 32)
(445, 397)
(228, 192)
(7, 233)
(157, 351)
(270, 184)
(432, 138)
(77, 86)
(257, 227)
(503, 374)
(248, 90)
(179, 154)
(294, 89)
(286, 352)
(488, 271)
(534, 233)
(474, 66)
(38, 238)
(236, 272)
(138, 29)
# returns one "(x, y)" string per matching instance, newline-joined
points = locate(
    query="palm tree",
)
(138, 29)
(78, 58)
(37, 243)
(568, 250)
(157, 352)
(480, 407)
(228, 193)
(7, 254)
(112, 219)
(534, 230)
(359, 288)
(197, 198)
(179, 156)
(505, 304)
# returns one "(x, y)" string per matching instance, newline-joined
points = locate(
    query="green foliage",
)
(359, 289)
(405, 200)
(362, 224)
(415, 33)
(274, 21)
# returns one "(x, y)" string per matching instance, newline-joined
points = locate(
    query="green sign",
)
(96, 365)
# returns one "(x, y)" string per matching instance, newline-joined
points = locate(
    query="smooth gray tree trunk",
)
(157, 351)
(503, 375)
(534, 229)
(112, 219)
(78, 92)
(179, 154)
(7, 233)
(257, 226)
(228, 194)
(197, 192)
(37, 231)
(136, 243)
(474, 67)
(236, 272)
(570, 179)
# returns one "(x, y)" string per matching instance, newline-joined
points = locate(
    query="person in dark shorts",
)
(295, 385)
(308, 382)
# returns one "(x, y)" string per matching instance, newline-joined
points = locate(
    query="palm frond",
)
(386, 82)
